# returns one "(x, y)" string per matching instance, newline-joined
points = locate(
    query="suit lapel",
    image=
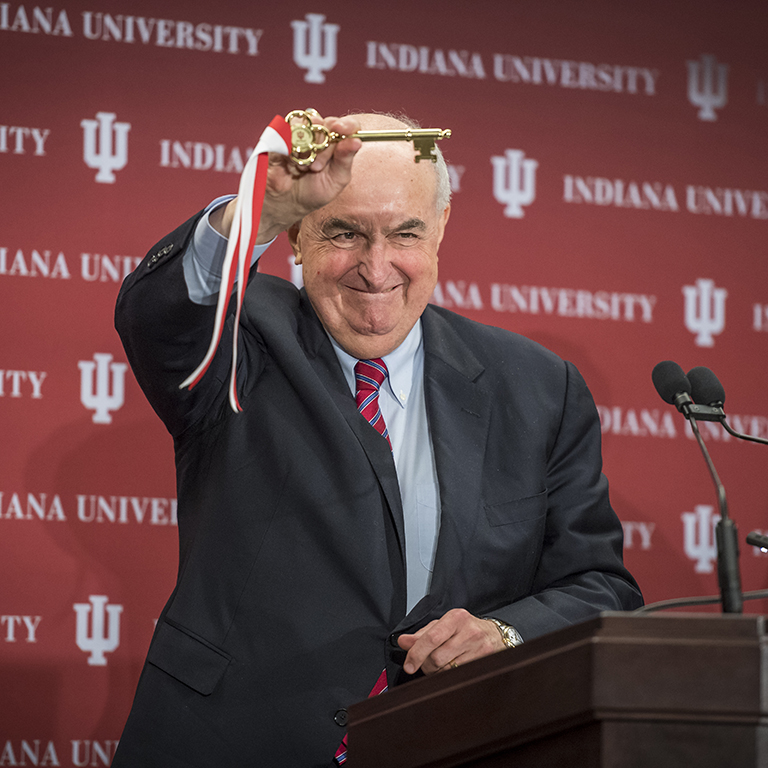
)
(326, 365)
(458, 410)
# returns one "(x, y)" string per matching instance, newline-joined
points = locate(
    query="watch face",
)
(511, 636)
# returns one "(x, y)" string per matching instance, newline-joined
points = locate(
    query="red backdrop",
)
(609, 169)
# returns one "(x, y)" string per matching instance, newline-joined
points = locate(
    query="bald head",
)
(380, 121)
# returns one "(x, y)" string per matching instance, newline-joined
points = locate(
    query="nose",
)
(376, 266)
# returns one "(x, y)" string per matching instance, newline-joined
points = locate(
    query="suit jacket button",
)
(341, 717)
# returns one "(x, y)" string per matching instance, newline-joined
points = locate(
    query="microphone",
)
(675, 387)
(706, 388)
(680, 390)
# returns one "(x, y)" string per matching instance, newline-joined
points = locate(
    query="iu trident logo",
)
(110, 152)
(514, 181)
(102, 400)
(95, 641)
(704, 311)
(314, 46)
(707, 86)
(699, 536)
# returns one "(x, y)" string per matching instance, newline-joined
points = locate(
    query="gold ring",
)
(454, 665)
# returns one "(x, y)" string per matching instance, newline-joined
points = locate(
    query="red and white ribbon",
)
(242, 238)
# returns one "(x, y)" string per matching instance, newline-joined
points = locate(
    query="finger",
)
(428, 640)
(347, 148)
(443, 656)
(457, 636)
(406, 642)
(339, 155)
(473, 639)
(420, 632)
(454, 663)
(345, 126)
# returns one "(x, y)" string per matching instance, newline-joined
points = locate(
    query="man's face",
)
(369, 257)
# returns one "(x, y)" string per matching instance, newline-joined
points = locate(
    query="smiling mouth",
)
(369, 292)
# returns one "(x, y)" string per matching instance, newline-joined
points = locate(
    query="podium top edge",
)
(712, 626)
(606, 630)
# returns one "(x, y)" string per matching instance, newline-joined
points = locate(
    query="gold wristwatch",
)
(509, 635)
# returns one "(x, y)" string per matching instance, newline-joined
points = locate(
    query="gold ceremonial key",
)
(309, 138)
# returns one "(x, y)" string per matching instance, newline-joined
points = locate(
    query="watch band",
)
(509, 635)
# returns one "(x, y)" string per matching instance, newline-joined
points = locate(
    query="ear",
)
(294, 237)
(442, 221)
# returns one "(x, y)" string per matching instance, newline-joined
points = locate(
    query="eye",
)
(344, 237)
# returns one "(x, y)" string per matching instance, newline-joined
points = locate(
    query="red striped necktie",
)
(369, 376)
(379, 687)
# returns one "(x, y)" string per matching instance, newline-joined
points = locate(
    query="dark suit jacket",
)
(291, 584)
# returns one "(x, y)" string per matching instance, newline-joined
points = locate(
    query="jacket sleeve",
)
(166, 335)
(580, 571)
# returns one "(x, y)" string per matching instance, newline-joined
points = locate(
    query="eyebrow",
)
(414, 223)
(337, 224)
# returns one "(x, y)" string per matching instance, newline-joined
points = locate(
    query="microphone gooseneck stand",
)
(706, 388)
(727, 536)
(673, 387)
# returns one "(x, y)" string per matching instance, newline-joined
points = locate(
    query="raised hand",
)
(293, 191)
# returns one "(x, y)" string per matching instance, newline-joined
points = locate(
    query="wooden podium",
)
(618, 691)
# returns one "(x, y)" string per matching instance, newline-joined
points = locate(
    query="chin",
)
(375, 324)
(365, 346)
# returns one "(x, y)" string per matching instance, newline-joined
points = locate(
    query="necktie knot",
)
(369, 376)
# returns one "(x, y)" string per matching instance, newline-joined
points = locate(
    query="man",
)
(314, 551)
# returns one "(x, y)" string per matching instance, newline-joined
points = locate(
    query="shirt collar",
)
(400, 363)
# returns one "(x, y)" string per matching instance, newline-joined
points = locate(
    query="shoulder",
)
(281, 315)
(531, 388)
(270, 300)
(494, 348)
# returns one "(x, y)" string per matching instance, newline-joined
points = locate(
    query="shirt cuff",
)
(204, 257)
